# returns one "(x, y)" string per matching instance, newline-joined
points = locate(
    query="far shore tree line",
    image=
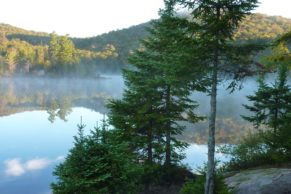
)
(27, 52)
(59, 57)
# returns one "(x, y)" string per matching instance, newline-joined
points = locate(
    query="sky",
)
(86, 18)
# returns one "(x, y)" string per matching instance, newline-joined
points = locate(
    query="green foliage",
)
(212, 25)
(284, 38)
(97, 164)
(94, 51)
(12, 30)
(124, 41)
(259, 149)
(271, 104)
(262, 27)
(161, 175)
(62, 54)
(255, 27)
(156, 96)
(54, 48)
(194, 186)
(10, 60)
(58, 56)
(197, 186)
(271, 108)
(251, 152)
(67, 51)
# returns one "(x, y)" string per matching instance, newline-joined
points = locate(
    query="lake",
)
(39, 118)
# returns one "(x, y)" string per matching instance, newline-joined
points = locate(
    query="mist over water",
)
(38, 118)
(31, 93)
(38, 121)
(57, 96)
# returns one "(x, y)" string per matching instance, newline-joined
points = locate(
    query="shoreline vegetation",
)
(27, 52)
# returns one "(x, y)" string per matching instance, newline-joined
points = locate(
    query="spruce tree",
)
(97, 164)
(213, 23)
(157, 93)
(271, 103)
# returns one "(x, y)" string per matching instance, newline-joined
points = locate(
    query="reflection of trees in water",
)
(59, 108)
(229, 130)
(56, 96)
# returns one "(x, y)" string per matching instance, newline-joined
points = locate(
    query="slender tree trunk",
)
(168, 130)
(209, 184)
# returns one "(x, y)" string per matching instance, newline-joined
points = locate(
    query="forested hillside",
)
(21, 47)
(28, 52)
(261, 26)
(9, 30)
(257, 26)
(124, 40)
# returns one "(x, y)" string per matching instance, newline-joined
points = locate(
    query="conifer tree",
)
(271, 103)
(213, 23)
(157, 94)
(97, 164)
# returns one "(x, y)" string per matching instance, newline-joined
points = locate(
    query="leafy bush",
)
(259, 149)
(271, 108)
(197, 186)
(251, 152)
(194, 186)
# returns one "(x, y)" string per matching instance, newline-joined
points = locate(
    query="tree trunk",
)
(168, 130)
(209, 184)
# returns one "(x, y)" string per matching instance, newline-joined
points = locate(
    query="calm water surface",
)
(31, 146)
(38, 119)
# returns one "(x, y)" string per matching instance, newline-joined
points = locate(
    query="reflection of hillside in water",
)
(230, 127)
(57, 96)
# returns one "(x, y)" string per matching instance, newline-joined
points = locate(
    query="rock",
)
(261, 181)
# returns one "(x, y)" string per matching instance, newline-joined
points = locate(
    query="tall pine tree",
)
(213, 23)
(157, 94)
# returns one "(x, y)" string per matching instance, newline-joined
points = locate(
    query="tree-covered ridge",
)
(9, 30)
(256, 26)
(124, 41)
(261, 26)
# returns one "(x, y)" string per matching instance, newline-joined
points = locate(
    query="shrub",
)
(259, 149)
(197, 186)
